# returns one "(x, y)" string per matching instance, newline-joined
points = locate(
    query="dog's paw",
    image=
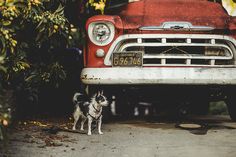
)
(73, 128)
(100, 133)
(82, 129)
(89, 133)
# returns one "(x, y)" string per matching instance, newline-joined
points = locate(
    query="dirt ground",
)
(149, 137)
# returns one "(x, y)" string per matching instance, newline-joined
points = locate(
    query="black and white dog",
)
(90, 109)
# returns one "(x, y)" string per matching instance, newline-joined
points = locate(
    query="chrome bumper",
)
(159, 75)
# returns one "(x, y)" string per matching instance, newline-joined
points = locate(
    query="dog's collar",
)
(96, 108)
(94, 117)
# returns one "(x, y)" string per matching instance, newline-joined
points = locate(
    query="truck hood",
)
(145, 13)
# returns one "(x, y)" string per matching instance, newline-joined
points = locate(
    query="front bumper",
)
(159, 75)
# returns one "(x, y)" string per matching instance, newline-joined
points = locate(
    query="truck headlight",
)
(101, 33)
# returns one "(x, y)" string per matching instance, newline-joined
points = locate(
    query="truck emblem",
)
(178, 26)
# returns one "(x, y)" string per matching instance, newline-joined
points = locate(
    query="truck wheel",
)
(200, 107)
(106, 111)
(231, 105)
(123, 107)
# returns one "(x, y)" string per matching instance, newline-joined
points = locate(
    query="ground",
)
(152, 137)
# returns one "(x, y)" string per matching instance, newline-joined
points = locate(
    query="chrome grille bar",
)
(177, 56)
(218, 42)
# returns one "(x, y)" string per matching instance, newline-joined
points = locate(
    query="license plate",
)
(127, 59)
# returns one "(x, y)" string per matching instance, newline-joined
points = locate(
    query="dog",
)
(89, 109)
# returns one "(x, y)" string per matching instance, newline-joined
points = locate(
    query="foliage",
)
(32, 36)
(100, 5)
(230, 6)
(218, 108)
(26, 28)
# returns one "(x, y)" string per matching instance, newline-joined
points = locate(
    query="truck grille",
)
(177, 49)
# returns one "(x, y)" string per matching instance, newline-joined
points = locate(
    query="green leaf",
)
(2, 59)
(3, 41)
(2, 68)
(6, 23)
(60, 10)
(39, 23)
(30, 78)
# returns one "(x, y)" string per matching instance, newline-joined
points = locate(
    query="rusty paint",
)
(85, 77)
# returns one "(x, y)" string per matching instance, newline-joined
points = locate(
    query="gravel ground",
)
(130, 138)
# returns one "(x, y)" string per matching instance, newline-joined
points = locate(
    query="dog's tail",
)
(77, 98)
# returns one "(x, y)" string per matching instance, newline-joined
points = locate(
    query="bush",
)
(218, 108)
(32, 35)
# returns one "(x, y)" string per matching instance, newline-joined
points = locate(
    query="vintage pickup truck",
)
(164, 49)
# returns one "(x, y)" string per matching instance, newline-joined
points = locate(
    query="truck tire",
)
(200, 107)
(231, 105)
(124, 107)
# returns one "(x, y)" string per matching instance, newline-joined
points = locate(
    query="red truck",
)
(164, 49)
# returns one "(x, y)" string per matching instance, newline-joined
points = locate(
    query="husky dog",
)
(89, 109)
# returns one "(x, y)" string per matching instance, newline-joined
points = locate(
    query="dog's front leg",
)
(100, 125)
(76, 118)
(90, 120)
(82, 123)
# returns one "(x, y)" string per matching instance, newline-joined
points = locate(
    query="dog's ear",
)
(98, 93)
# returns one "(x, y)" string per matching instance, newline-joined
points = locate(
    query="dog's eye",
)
(100, 98)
